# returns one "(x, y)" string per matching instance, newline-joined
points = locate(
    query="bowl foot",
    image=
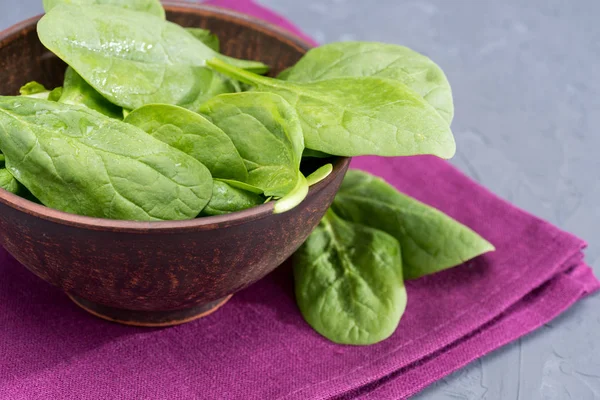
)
(149, 319)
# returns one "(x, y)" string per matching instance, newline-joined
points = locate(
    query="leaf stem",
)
(234, 72)
(320, 174)
(294, 197)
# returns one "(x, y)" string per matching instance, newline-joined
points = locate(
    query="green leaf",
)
(293, 197)
(194, 135)
(320, 174)
(33, 88)
(267, 134)
(205, 36)
(152, 7)
(38, 91)
(283, 75)
(430, 240)
(243, 186)
(77, 91)
(134, 58)
(348, 280)
(8, 181)
(55, 94)
(356, 59)
(227, 199)
(358, 116)
(77, 160)
(315, 154)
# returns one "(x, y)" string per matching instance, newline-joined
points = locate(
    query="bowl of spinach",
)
(154, 161)
(118, 211)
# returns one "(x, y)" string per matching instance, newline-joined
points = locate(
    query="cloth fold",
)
(258, 346)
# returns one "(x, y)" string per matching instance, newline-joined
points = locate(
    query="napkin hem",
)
(540, 306)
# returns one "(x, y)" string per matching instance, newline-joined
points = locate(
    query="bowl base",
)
(150, 319)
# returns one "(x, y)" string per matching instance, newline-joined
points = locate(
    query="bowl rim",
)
(205, 223)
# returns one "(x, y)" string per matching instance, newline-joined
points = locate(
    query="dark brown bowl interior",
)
(156, 273)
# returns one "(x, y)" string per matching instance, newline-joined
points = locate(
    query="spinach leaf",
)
(293, 197)
(34, 89)
(348, 280)
(77, 160)
(2, 160)
(227, 199)
(205, 36)
(148, 6)
(77, 91)
(358, 116)
(194, 135)
(315, 154)
(267, 134)
(134, 58)
(283, 75)
(38, 91)
(243, 186)
(355, 59)
(8, 181)
(55, 94)
(320, 174)
(431, 241)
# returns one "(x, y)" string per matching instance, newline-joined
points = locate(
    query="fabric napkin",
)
(258, 346)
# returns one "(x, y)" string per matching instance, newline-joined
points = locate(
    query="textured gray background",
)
(525, 76)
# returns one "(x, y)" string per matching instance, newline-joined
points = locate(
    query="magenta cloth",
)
(258, 346)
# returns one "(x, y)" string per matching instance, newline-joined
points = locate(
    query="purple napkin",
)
(259, 347)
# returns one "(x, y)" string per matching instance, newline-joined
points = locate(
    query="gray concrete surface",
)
(526, 81)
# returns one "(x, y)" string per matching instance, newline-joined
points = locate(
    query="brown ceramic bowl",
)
(156, 273)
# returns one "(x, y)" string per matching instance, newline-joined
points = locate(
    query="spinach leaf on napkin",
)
(349, 284)
(350, 273)
(431, 241)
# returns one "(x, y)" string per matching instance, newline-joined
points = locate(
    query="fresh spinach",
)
(267, 134)
(228, 150)
(148, 6)
(77, 91)
(431, 241)
(242, 186)
(320, 174)
(207, 37)
(34, 89)
(349, 274)
(293, 197)
(283, 75)
(315, 154)
(134, 58)
(355, 59)
(55, 94)
(348, 280)
(227, 199)
(194, 135)
(77, 160)
(358, 116)
(38, 91)
(8, 182)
